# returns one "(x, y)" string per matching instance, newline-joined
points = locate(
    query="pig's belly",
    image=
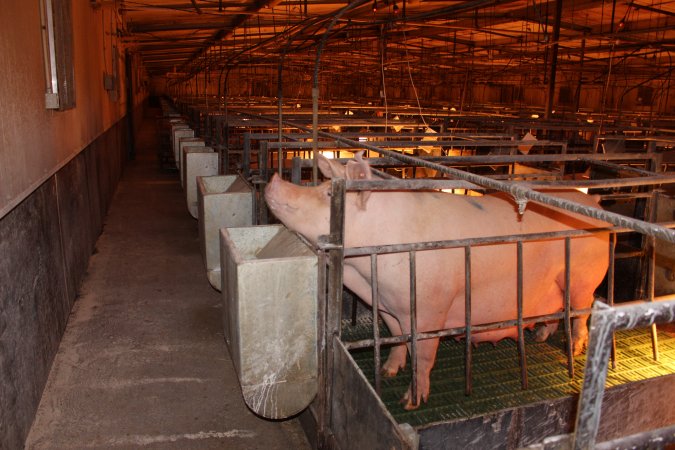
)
(495, 305)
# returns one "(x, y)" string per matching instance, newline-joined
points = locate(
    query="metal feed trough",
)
(348, 412)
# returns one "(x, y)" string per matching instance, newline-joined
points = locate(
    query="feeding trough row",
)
(267, 277)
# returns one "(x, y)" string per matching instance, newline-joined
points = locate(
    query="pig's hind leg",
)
(398, 353)
(360, 285)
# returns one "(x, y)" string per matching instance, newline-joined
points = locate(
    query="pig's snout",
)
(275, 195)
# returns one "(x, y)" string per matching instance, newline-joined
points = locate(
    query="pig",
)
(381, 218)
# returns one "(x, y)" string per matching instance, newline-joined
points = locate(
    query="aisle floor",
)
(143, 364)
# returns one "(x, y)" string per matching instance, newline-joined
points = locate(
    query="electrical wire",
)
(412, 82)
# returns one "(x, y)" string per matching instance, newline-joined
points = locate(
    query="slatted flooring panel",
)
(496, 373)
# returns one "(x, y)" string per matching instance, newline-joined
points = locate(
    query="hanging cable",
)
(412, 83)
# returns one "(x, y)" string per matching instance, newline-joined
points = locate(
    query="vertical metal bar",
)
(521, 333)
(246, 159)
(567, 307)
(334, 301)
(554, 59)
(651, 264)
(413, 325)
(296, 171)
(280, 160)
(650, 294)
(595, 376)
(610, 289)
(468, 357)
(263, 159)
(376, 326)
(315, 134)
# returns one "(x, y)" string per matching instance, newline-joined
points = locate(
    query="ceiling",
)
(492, 40)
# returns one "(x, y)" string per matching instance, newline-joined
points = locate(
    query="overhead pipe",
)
(554, 59)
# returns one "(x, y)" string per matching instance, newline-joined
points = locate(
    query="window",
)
(57, 42)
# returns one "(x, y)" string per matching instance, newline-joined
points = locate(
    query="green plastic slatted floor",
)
(496, 373)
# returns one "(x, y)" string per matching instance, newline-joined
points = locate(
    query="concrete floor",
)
(143, 363)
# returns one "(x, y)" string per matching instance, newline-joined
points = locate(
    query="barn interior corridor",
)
(143, 363)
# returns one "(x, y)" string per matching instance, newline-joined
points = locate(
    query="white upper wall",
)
(34, 141)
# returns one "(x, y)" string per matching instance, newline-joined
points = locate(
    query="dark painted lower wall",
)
(45, 245)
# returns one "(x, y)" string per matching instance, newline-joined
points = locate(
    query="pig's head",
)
(306, 209)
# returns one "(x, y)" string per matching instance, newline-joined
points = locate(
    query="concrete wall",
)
(58, 174)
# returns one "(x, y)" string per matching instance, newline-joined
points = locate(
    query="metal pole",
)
(554, 59)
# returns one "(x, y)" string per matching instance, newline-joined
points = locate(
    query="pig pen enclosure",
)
(520, 392)
(511, 395)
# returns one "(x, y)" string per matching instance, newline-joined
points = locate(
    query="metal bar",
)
(521, 332)
(246, 158)
(263, 159)
(468, 356)
(567, 308)
(650, 294)
(334, 301)
(280, 161)
(296, 171)
(554, 59)
(660, 438)
(488, 240)
(413, 327)
(454, 243)
(604, 320)
(610, 288)
(619, 168)
(416, 144)
(376, 326)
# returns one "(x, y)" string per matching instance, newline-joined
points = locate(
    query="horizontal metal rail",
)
(412, 144)
(460, 331)
(479, 241)
(505, 159)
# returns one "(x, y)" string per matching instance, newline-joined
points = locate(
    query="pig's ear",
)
(359, 169)
(330, 168)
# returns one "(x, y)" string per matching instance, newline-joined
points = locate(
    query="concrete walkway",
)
(143, 364)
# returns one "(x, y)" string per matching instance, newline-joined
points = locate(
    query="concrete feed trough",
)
(223, 201)
(270, 317)
(182, 143)
(176, 135)
(197, 162)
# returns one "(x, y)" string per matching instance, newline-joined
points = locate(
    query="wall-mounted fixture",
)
(57, 44)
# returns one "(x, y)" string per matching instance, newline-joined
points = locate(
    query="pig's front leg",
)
(426, 355)
(398, 353)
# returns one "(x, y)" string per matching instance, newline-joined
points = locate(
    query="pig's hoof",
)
(578, 347)
(544, 331)
(407, 403)
(389, 371)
